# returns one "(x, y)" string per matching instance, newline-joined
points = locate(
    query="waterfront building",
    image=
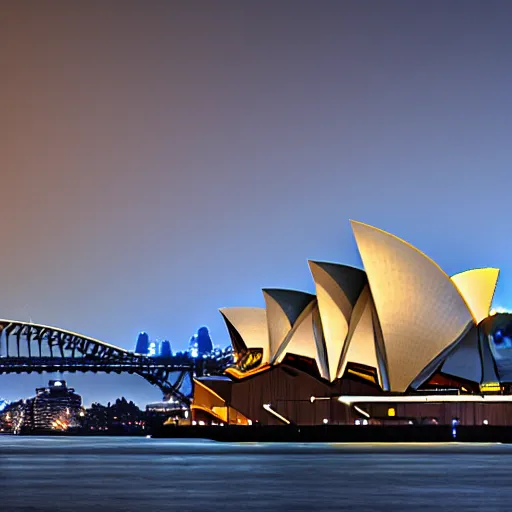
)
(120, 417)
(397, 342)
(55, 407)
(169, 411)
(12, 417)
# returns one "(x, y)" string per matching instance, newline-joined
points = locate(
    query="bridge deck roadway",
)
(10, 363)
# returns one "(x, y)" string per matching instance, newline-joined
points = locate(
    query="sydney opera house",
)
(399, 342)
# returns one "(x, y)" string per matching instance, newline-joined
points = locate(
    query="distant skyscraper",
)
(200, 343)
(165, 349)
(142, 346)
(204, 342)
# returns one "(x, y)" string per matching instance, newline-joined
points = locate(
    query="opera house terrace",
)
(397, 343)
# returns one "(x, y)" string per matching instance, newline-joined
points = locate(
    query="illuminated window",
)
(391, 411)
(490, 387)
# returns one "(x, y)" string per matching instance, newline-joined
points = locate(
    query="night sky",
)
(159, 160)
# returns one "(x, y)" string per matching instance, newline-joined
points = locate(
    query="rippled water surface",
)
(79, 474)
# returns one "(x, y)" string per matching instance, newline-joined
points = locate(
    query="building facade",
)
(55, 407)
(399, 341)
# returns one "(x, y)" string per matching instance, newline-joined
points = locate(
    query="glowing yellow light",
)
(269, 409)
(360, 411)
(490, 386)
(370, 378)
(237, 374)
(391, 411)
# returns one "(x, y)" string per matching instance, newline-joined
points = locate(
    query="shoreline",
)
(339, 434)
(306, 434)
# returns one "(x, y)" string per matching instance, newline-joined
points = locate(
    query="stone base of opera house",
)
(284, 394)
(340, 434)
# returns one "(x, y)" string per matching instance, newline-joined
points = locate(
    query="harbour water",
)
(133, 474)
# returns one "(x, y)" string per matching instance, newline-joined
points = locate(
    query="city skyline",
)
(161, 162)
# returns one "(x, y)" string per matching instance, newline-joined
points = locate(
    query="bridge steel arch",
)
(27, 347)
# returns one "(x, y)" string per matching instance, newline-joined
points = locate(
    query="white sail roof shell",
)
(420, 310)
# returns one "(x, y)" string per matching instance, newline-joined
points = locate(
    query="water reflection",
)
(135, 474)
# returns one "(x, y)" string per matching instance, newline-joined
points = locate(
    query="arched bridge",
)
(27, 347)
